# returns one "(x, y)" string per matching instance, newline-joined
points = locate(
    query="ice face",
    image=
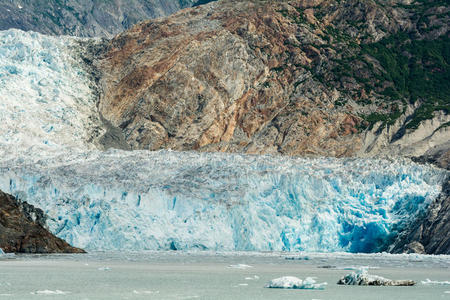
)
(174, 200)
(45, 97)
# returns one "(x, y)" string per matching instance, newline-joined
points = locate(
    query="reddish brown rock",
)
(253, 77)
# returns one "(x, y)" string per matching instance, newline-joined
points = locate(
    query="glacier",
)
(46, 96)
(142, 200)
(116, 200)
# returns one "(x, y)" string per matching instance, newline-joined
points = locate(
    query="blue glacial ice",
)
(139, 200)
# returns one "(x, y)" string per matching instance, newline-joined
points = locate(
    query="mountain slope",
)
(337, 78)
(83, 17)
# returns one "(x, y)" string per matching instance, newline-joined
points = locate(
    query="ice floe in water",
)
(145, 292)
(291, 282)
(434, 282)
(362, 277)
(50, 292)
(240, 266)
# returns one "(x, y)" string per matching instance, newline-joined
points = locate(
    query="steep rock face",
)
(22, 229)
(289, 77)
(83, 17)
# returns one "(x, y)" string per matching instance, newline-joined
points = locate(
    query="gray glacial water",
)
(207, 275)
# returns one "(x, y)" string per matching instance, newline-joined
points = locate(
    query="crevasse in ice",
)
(118, 200)
(187, 200)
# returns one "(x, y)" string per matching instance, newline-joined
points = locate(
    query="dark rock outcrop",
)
(87, 18)
(22, 229)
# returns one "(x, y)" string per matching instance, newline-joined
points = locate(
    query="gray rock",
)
(86, 18)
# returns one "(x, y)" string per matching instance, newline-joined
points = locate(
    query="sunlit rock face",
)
(285, 77)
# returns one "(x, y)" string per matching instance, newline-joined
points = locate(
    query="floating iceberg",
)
(434, 282)
(290, 282)
(240, 266)
(50, 292)
(362, 277)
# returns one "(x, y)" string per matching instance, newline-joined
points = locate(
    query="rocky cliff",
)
(22, 229)
(83, 17)
(334, 78)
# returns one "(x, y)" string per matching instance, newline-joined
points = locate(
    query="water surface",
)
(207, 275)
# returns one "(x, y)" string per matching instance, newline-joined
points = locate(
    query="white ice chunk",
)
(435, 282)
(240, 266)
(291, 282)
(145, 292)
(50, 292)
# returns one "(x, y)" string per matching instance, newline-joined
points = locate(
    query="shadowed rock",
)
(22, 229)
